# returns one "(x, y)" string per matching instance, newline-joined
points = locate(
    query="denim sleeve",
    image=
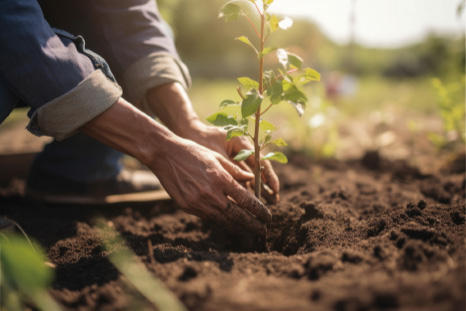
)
(130, 34)
(62, 86)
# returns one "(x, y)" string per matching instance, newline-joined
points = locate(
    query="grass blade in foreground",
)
(143, 280)
(24, 276)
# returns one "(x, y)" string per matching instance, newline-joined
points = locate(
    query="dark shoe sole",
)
(138, 197)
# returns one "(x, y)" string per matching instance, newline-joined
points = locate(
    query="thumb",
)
(235, 171)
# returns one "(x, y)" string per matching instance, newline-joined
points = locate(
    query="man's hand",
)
(171, 104)
(204, 183)
(201, 181)
(215, 139)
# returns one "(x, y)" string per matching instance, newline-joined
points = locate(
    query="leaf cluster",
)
(452, 113)
(282, 85)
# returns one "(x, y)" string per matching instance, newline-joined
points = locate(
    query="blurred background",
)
(392, 74)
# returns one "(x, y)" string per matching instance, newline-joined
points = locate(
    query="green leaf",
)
(279, 142)
(248, 83)
(267, 139)
(295, 97)
(23, 267)
(246, 40)
(275, 92)
(24, 273)
(276, 156)
(286, 78)
(266, 51)
(266, 126)
(289, 59)
(251, 103)
(273, 22)
(228, 102)
(231, 12)
(309, 75)
(221, 119)
(268, 2)
(236, 131)
(243, 155)
(294, 60)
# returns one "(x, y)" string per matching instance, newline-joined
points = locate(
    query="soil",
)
(358, 235)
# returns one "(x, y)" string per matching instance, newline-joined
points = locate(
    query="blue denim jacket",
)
(97, 61)
(53, 73)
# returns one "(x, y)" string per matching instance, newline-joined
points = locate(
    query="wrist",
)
(171, 104)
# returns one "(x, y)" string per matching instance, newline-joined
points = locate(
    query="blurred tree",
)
(208, 47)
(435, 56)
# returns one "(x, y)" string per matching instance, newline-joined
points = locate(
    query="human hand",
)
(204, 183)
(214, 138)
(171, 104)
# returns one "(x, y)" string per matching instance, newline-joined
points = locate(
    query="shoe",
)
(128, 186)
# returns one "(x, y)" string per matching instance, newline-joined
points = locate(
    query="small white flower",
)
(285, 23)
(282, 56)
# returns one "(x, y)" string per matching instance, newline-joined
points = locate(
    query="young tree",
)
(271, 88)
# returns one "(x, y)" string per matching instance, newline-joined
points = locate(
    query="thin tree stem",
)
(252, 24)
(257, 156)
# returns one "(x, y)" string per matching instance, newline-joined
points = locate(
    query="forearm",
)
(130, 131)
(171, 104)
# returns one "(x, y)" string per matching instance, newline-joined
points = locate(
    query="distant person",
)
(74, 97)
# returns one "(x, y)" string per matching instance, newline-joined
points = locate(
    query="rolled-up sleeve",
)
(131, 35)
(144, 51)
(48, 73)
(151, 71)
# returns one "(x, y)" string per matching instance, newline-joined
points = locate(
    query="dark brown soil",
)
(362, 235)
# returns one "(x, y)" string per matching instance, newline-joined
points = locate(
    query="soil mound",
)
(360, 235)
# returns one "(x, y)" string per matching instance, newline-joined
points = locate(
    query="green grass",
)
(373, 93)
(409, 97)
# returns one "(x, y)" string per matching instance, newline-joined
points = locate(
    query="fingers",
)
(268, 194)
(248, 201)
(235, 171)
(233, 218)
(243, 166)
(271, 179)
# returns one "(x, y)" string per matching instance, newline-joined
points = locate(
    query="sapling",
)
(271, 88)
